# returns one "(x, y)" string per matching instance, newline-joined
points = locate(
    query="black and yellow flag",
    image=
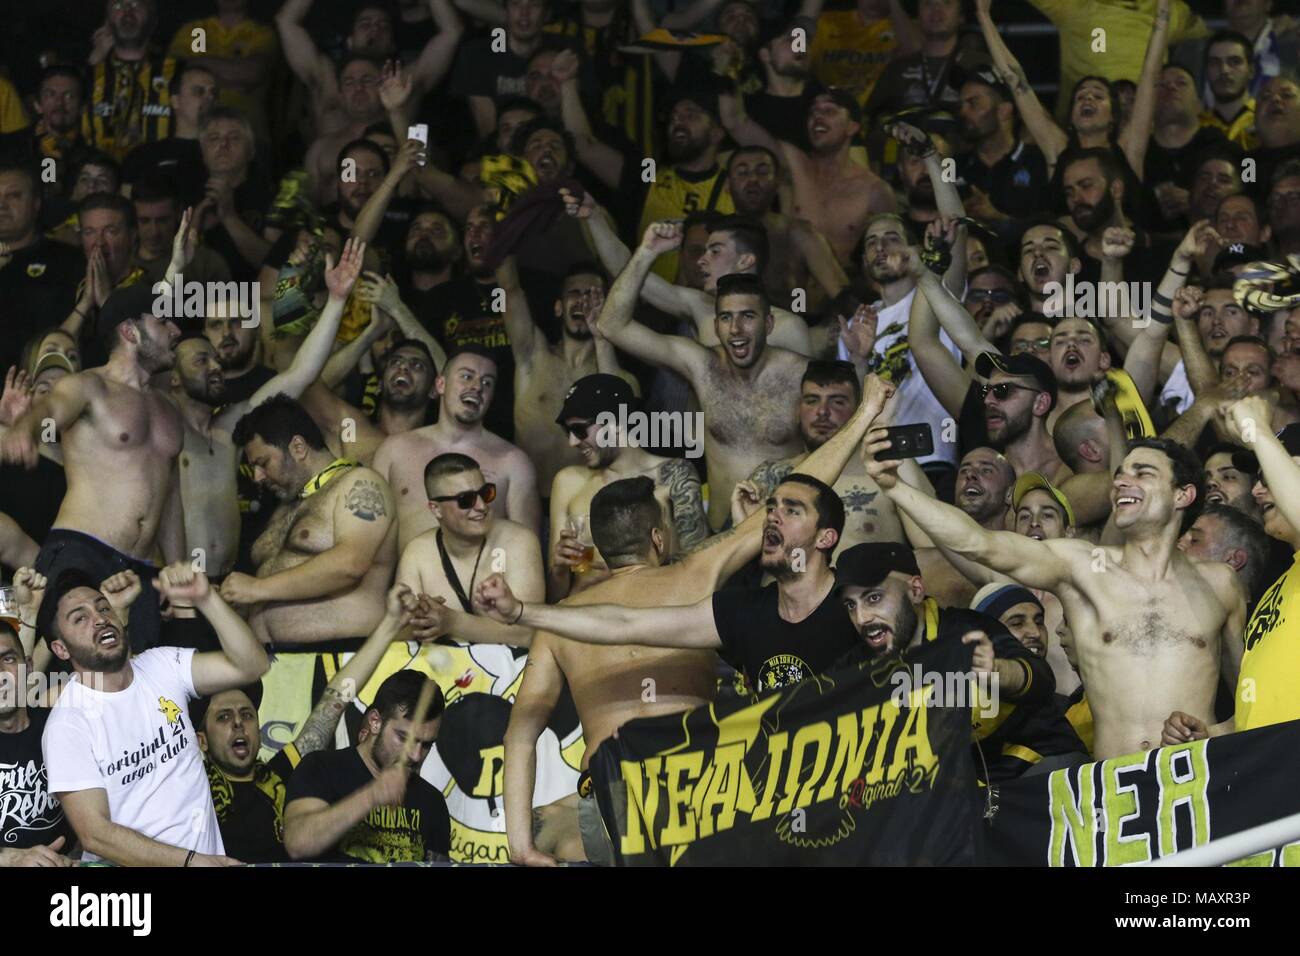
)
(858, 766)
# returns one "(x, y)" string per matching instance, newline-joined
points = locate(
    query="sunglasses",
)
(465, 500)
(997, 296)
(579, 430)
(1002, 390)
(1030, 345)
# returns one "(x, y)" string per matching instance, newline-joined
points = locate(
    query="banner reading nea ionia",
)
(835, 771)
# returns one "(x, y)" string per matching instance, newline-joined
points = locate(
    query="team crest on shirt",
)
(781, 671)
(35, 270)
(169, 710)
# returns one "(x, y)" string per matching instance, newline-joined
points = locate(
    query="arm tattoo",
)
(770, 474)
(319, 727)
(688, 508)
(539, 823)
(366, 500)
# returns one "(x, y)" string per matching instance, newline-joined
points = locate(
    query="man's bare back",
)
(747, 420)
(299, 530)
(1145, 648)
(401, 460)
(120, 458)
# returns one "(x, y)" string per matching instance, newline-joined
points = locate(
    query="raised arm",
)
(942, 373)
(741, 126)
(819, 257)
(308, 64)
(382, 291)
(1051, 139)
(1136, 134)
(533, 705)
(16, 549)
(63, 405)
(342, 362)
(605, 162)
(1249, 422)
(435, 59)
(524, 334)
(672, 351)
(1033, 563)
(458, 197)
(242, 658)
(371, 216)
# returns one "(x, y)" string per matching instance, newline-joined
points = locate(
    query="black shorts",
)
(72, 549)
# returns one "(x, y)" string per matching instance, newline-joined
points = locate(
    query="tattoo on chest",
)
(365, 500)
(857, 499)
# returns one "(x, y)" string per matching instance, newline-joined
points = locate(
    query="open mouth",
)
(475, 249)
(876, 636)
(1127, 501)
(240, 747)
(1037, 535)
(820, 129)
(771, 539)
(1041, 269)
(107, 637)
(471, 401)
(739, 347)
(1216, 498)
(972, 492)
(1072, 359)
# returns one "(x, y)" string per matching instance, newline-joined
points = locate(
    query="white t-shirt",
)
(137, 744)
(915, 402)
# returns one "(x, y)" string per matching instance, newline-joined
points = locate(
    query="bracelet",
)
(26, 623)
(518, 617)
(188, 856)
(1177, 273)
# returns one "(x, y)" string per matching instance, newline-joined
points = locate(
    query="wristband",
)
(1177, 273)
(26, 623)
(518, 617)
(188, 856)
(1163, 316)
(1162, 300)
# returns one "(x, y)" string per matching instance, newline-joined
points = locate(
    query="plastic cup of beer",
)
(580, 527)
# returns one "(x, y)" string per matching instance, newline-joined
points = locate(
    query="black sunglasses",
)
(1002, 390)
(1030, 345)
(465, 500)
(999, 296)
(579, 430)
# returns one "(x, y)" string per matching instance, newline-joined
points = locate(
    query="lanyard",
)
(323, 477)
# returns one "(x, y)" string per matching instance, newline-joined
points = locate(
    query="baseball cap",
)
(990, 79)
(843, 98)
(1034, 480)
(866, 565)
(593, 394)
(1021, 364)
(67, 580)
(702, 95)
(1238, 253)
(1288, 436)
(995, 599)
(52, 360)
(130, 302)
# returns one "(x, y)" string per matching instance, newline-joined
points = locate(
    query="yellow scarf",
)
(323, 477)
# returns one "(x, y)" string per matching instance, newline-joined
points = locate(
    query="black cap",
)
(130, 302)
(593, 394)
(704, 95)
(69, 579)
(199, 705)
(990, 79)
(1238, 253)
(1288, 436)
(843, 97)
(1022, 363)
(866, 565)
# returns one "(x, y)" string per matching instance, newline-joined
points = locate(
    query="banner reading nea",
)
(1135, 808)
(838, 770)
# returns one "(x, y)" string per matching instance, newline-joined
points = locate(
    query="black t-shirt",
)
(772, 652)
(250, 813)
(407, 834)
(173, 160)
(1017, 183)
(784, 117)
(1174, 166)
(252, 199)
(481, 71)
(38, 289)
(29, 814)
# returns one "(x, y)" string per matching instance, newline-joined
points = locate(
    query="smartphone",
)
(421, 132)
(908, 441)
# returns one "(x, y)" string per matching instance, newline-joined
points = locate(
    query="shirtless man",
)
(120, 440)
(473, 541)
(544, 372)
(326, 558)
(465, 390)
(1151, 629)
(828, 394)
(607, 458)
(607, 682)
(372, 35)
(749, 392)
(797, 252)
(734, 245)
(209, 461)
(831, 191)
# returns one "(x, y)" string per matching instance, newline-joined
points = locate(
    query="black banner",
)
(1136, 808)
(854, 767)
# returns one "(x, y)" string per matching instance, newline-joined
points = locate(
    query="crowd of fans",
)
(332, 338)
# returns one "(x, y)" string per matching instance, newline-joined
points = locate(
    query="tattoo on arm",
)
(688, 507)
(318, 729)
(539, 823)
(770, 474)
(366, 500)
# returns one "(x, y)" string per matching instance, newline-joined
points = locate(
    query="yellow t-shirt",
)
(1128, 25)
(12, 115)
(1242, 128)
(1268, 690)
(673, 197)
(847, 52)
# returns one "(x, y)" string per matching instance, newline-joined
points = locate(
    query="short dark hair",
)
(832, 372)
(1110, 93)
(1187, 469)
(1286, 170)
(525, 131)
(702, 217)
(10, 163)
(749, 235)
(1246, 533)
(277, 421)
(448, 463)
(1110, 167)
(1248, 340)
(830, 509)
(155, 189)
(351, 58)
(399, 695)
(95, 157)
(61, 69)
(470, 348)
(1067, 238)
(743, 283)
(519, 103)
(7, 628)
(623, 514)
(752, 149)
(362, 144)
(186, 67)
(1230, 36)
(114, 202)
(1225, 448)
(586, 267)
